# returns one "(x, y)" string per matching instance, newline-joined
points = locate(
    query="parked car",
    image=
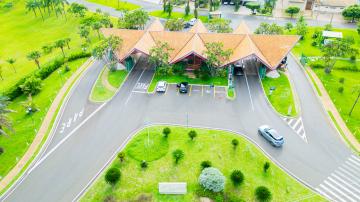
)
(161, 86)
(187, 25)
(238, 71)
(183, 87)
(271, 135)
(192, 22)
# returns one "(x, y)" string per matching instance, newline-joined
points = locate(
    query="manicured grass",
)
(314, 83)
(21, 32)
(99, 92)
(116, 78)
(218, 81)
(343, 101)
(304, 46)
(25, 126)
(176, 15)
(119, 5)
(211, 145)
(282, 97)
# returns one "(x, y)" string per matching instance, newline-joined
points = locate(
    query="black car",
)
(187, 25)
(183, 87)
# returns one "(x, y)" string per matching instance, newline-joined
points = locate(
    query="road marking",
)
(296, 123)
(355, 158)
(332, 193)
(127, 100)
(202, 90)
(323, 193)
(347, 178)
(297, 126)
(65, 138)
(357, 163)
(348, 172)
(354, 167)
(341, 185)
(190, 90)
(338, 190)
(247, 84)
(135, 91)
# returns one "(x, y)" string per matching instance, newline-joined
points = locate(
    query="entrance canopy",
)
(269, 49)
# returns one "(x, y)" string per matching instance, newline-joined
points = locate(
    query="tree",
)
(216, 55)
(160, 54)
(121, 156)
(192, 134)
(166, 131)
(1, 73)
(31, 86)
(77, 9)
(205, 164)
(262, 193)
(144, 164)
(328, 27)
(67, 41)
(356, 89)
(174, 24)
(187, 8)
(266, 166)
(106, 49)
(292, 10)
(46, 49)
(136, 19)
(237, 177)
(336, 48)
(358, 28)
(112, 176)
(1, 150)
(196, 13)
(4, 111)
(253, 6)
(31, 5)
(34, 55)
(96, 26)
(178, 154)
(212, 179)
(352, 12)
(60, 44)
(235, 143)
(169, 8)
(301, 27)
(84, 32)
(237, 5)
(289, 26)
(266, 28)
(12, 61)
(220, 25)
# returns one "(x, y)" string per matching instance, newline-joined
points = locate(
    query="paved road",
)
(320, 162)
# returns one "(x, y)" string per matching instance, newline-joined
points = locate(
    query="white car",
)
(161, 86)
(192, 22)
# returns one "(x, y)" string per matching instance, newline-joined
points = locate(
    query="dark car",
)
(183, 87)
(187, 25)
(271, 135)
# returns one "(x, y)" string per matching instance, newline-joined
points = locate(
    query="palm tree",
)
(60, 44)
(356, 89)
(31, 5)
(11, 61)
(67, 41)
(34, 55)
(4, 120)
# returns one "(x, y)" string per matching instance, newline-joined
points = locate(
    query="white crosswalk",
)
(344, 183)
(72, 119)
(298, 126)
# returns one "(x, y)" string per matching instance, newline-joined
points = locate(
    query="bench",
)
(172, 188)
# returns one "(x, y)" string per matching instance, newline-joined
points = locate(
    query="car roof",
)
(274, 133)
(162, 82)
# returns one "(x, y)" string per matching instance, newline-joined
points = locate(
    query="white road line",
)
(350, 186)
(338, 190)
(75, 117)
(252, 104)
(290, 121)
(69, 123)
(135, 91)
(324, 193)
(357, 163)
(299, 130)
(81, 112)
(355, 158)
(343, 187)
(348, 172)
(353, 166)
(332, 193)
(65, 138)
(127, 100)
(347, 177)
(296, 123)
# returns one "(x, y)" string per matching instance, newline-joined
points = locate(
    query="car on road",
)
(183, 87)
(238, 71)
(161, 86)
(192, 22)
(187, 25)
(271, 135)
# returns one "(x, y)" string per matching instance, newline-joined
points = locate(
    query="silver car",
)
(161, 86)
(271, 135)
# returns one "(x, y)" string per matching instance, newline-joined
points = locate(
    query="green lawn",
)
(343, 101)
(99, 92)
(119, 5)
(116, 78)
(176, 15)
(282, 97)
(304, 46)
(211, 145)
(25, 126)
(218, 81)
(21, 32)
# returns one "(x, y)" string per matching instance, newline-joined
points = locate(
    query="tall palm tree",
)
(12, 61)
(67, 41)
(60, 44)
(31, 5)
(34, 55)
(4, 119)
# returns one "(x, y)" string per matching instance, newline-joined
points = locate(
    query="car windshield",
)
(273, 133)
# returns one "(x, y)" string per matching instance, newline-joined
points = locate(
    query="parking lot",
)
(201, 91)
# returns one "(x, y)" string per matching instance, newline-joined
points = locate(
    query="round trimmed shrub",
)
(121, 156)
(212, 179)
(342, 80)
(235, 143)
(341, 89)
(166, 131)
(266, 166)
(262, 193)
(178, 155)
(192, 134)
(112, 176)
(144, 164)
(1, 150)
(237, 177)
(205, 164)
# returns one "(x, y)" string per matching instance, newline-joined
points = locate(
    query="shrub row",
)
(45, 71)
(318, 64)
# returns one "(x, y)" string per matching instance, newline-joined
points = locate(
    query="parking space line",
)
(190, 90)
(167, 87)
(202, 90)
(214, 92)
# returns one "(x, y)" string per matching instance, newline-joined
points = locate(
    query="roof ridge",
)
(183, 45)
(257, 47)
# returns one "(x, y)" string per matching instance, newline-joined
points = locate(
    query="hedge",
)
(45, 71)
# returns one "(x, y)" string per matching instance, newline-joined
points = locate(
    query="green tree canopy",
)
(292, 10)
(174, 24)
(253, 6)
(34, 55)
(106, 49)
(160, 54)
(352, 12)
(220, 25)
(216, 55)
(301, 27)
(135, 19)
(31, 86)
(4, 111)
(77, 9)
(266, 28)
